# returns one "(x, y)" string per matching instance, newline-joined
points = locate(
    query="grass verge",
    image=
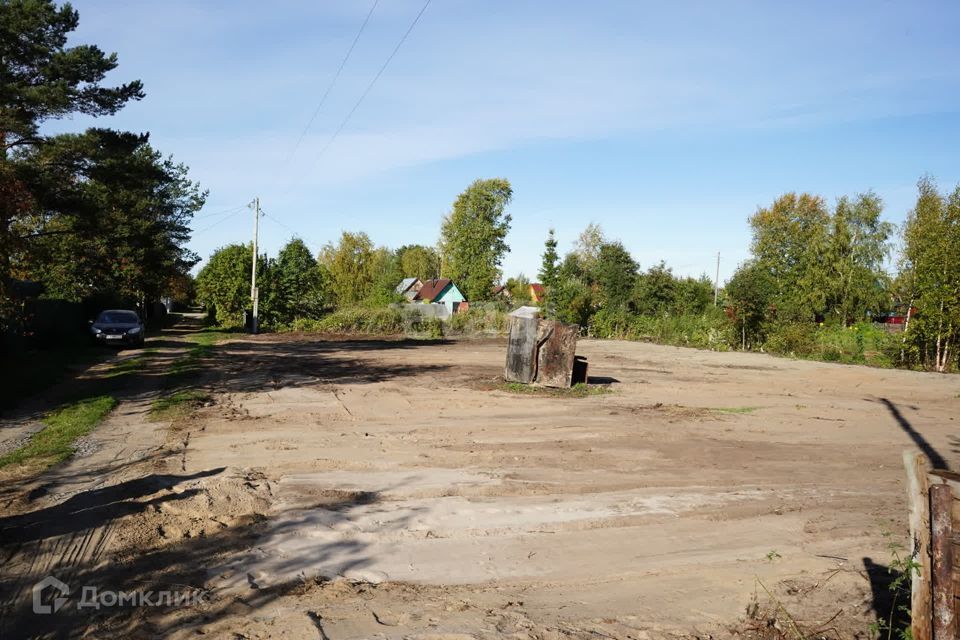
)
(54, 443)
(177, 405)
(130, 365)
(191, 363)
(734, 409)
(579, 390)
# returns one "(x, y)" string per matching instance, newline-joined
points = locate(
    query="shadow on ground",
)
(891, 597)
(182, 568)
(937, 461)
(69, 539)
(248, 365)
(241, 363)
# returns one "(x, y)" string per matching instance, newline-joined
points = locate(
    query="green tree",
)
(519, 288)
(473, 237)
(110, 215)
(299, 282)
(931, 239)
(42, 79)
(387, 274)
(659, 292)
(694, 296)
(572, 268)
(418, 261)
(790, 239)
(549, 267)
(750, 294)
(615, 273)
(655, 293)
(182, 289)
(352, 266)
(223, 284)
(855, 255)
(573, 301)
(588, 245)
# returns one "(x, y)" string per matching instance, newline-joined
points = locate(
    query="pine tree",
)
(549, 267)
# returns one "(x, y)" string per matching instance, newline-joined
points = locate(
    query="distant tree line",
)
(355, 272)
(816, 285)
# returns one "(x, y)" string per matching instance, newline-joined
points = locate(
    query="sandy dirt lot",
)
(393, 489)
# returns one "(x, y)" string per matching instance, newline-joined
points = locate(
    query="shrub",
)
(793, 338)
(478, 321)
(864, 343)
(368, 320)
(612, 323)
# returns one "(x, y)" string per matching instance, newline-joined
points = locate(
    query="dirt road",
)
(341, 489)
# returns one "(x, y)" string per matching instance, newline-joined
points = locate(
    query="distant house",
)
(896, 321)
(409, 287)
(537, 292)
(441, 291)
(500, 291)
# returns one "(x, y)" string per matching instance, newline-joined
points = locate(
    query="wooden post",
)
(557, 349)
(921, 596)
(521, 350)
(941, 542)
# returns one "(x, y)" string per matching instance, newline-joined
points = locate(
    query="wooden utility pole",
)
(716, 282)
(254, 293)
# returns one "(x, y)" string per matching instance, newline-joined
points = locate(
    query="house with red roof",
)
(441, 291)
(537, 292)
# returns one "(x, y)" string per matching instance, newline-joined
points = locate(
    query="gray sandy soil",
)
(354, 489)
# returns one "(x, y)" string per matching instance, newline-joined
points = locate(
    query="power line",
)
(333, 82)
(363, 95)
(229, 217)
(282, 224)
(217, 213)
(288, 227)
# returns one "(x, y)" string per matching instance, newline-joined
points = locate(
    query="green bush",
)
(362, 320)
(478, 321)
(612, 323)
(432, 327)
(301, 324)
(708, 330)
(864, 343)
(793, 339)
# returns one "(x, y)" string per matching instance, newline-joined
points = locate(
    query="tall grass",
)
(862, 343)
(709, 330)
(353, 320)
(478, 321)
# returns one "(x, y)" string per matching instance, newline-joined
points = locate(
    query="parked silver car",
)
(117, 326)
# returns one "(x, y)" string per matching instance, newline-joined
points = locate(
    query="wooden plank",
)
(941, 543)
(921, 594)
(521, 350)
(557, 350)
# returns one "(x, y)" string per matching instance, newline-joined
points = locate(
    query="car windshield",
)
(118, 317)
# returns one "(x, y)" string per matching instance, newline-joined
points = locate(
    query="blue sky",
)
(667, 125)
